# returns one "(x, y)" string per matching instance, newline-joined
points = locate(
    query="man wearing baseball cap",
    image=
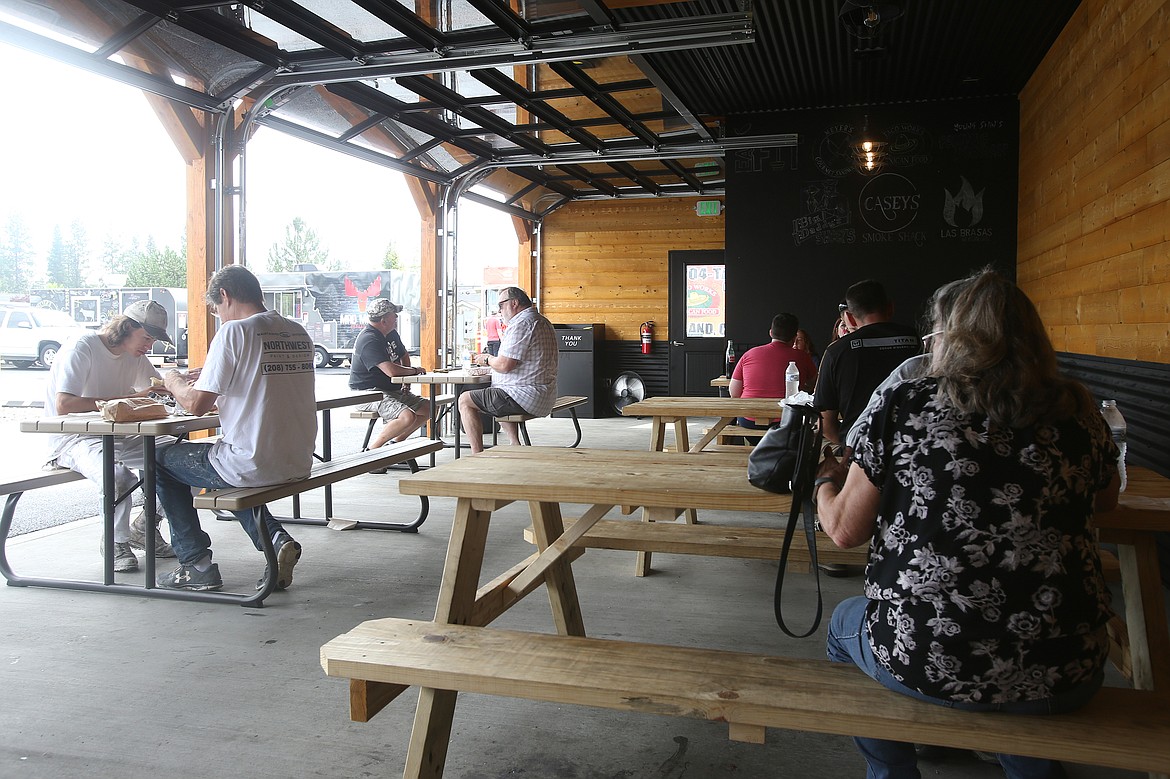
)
(106, 365)
(379, 355)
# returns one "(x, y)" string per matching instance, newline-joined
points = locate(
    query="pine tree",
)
(58, 262)
(154, 267)
(76, 253)
(301, 245)
(16, 255)
(391, 260)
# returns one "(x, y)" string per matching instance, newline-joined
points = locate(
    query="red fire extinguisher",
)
(647, 336)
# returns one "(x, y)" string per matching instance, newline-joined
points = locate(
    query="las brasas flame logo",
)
(963, 203)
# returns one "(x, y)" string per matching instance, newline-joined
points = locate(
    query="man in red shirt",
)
(760, 372)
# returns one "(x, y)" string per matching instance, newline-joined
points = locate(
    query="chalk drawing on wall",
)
(833, 155)
(962, 212)
(825, 216)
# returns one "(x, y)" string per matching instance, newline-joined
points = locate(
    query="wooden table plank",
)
(669, 481)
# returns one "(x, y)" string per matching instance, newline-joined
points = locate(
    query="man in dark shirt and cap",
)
(378, 355)
(857, 362)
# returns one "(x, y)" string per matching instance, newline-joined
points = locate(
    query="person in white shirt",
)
(524, 373)
(259, 372)
(108, 365)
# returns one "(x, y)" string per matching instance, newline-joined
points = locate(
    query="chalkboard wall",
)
(803, 224)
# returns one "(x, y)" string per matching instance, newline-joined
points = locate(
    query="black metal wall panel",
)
(1140, 389)
(617, 357)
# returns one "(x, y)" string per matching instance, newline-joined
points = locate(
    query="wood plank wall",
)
(1094, 215)
(606, 261)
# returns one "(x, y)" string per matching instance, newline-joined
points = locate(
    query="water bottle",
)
(730, 358)
(1116, 423)
(791, 380)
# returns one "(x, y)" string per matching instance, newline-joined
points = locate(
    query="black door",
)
(698, 316)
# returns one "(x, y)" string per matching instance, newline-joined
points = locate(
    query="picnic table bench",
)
(457, 651)
(328, 473)
(564, 403)
(1120, 728)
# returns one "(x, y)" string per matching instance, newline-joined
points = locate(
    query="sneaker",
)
(138, 537)
(188, 577)
(288, 553)
(124, 559)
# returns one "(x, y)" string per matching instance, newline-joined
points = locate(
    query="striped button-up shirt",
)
(532, 342)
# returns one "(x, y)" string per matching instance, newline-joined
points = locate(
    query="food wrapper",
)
(132, 410)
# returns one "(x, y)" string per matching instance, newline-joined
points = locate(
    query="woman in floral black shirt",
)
(976, 486)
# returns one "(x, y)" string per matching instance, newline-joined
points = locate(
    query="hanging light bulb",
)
(868, 149)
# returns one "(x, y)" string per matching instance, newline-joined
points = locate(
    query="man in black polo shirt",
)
(856, 363)
(379, 354)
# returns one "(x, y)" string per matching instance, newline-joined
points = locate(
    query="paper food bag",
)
(132, 410)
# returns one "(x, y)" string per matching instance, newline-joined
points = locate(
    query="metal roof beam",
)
(128, 33)
(522, 98)
(217, 29)
(701, 32)
(452, 101)
(405, 21)
(684, 174)
(503, 17)
(519, 194)
(581, 174)
(62, 52)
(308, 24)
(379, 102)
(590, 89)
(634, 175)
(360, 152)
(507, 208)
(670, 96)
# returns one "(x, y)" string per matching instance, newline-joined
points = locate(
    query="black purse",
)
(785, 461)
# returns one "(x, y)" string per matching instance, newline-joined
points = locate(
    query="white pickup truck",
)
(29, 335)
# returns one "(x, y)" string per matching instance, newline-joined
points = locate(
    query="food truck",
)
(332, 305)
(93, 306)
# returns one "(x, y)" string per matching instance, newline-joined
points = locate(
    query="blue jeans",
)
(849, 643)
(181, 467)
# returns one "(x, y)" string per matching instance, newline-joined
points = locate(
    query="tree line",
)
(73, 260)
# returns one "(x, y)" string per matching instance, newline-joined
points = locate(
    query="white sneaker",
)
(124, 559)
(138, 536)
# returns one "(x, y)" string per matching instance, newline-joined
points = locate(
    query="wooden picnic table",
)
(602, 479)
(669, 410)
(546, 477)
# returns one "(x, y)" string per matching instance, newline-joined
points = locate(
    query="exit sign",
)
(708, 207)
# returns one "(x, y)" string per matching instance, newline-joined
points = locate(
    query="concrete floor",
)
(99, 685)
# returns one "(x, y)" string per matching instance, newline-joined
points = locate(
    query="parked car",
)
(29, 335)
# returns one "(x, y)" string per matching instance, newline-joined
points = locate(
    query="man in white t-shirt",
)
(259, 372)
(107, 365)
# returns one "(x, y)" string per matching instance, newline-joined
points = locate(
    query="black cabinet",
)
(575, 372)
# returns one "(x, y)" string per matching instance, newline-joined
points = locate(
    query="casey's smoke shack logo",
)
(889, 203)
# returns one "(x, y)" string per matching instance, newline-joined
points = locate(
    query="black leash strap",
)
(802, 492)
